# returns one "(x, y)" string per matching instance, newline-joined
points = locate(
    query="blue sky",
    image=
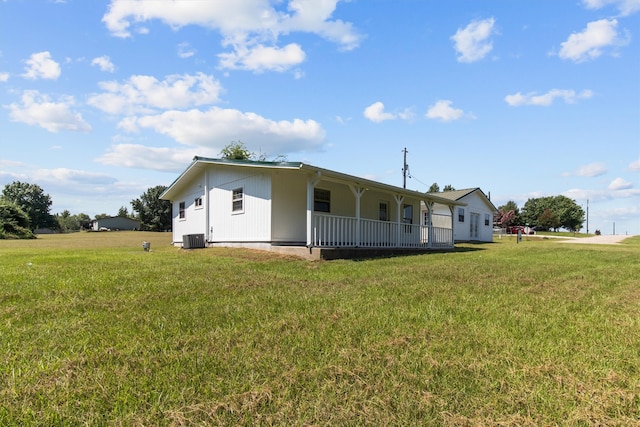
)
(102, 100)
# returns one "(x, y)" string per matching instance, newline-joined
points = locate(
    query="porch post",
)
(311, 183)
(399, 199)
(430, 225)
(207, 209)
(452, 208)
(357, 193)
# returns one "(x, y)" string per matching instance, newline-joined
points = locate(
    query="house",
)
(299, 208)
(472, 222)
(114, 223)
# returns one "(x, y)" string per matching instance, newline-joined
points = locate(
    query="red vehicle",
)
(514, 229)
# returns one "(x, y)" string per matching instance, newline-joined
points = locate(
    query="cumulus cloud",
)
(251, 28)
(153, 158)
(590, 170)
(375, 112)
(620, 184)
(626, 7)
(443, 111)
(635, 166)
(104, 63)
(591, 42)
(546, 99)
(473, 42)
(64, 176)
(146, 94)
(208, 128)
(39, 110)
(41, 66)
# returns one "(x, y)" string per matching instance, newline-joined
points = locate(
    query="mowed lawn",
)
(96, 331)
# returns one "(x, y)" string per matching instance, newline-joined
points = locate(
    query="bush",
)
(14, 223)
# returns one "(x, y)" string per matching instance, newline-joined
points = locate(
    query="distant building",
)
(114, 223)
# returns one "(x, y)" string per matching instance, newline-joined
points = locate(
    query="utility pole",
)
(404, 169)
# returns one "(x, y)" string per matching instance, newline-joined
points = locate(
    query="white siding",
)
(253, 224)
(289, 207)
(194, 220)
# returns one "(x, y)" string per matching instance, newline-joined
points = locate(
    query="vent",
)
(192, 241)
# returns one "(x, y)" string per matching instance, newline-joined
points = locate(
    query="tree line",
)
(543, 213)
(25, 208)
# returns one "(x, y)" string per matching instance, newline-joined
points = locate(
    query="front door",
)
(474, 220)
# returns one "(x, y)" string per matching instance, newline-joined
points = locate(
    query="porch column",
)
(430, 224)
(452, 208)
(357, 193)
(207, 209)
(311, 183)
(399, 199)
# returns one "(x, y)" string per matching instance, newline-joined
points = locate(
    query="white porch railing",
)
(339, 231)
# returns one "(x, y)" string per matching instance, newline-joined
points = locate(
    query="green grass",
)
(95, 331)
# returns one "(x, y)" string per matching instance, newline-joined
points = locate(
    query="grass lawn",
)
(95, 331)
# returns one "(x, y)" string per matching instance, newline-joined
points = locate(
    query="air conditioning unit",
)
(192, 241)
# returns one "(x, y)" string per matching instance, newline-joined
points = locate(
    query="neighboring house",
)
(276, 205)
(114, 223)
(473, 222)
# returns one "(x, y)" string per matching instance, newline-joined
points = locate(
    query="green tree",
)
(14, 223)
(448, 187)
(154, 214)
(553, 212)
(123, 212)
(237, 151)
(32, 200)
(507, 215)
(435, 188)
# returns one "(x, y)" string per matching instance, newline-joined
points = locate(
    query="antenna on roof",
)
(405, 168)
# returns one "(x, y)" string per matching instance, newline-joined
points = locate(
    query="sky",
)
(102, 100)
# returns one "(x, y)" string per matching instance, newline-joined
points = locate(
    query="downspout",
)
(207, 220)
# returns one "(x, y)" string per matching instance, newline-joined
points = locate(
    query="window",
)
(182, 212)
(198, 202)
(321, 200)
(383, 211)
(237, 202)
(486, 219)
(425, 218)
(460, 215)
(407, 217)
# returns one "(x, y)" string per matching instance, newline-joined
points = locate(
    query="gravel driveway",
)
(599, 240)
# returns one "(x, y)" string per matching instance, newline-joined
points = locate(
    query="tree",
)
(30, 198)
(507, 215)
(123, 212)
(14, 223)
(237, 151)
(553, 212)
(154, 214)
(68, 223)
(435, 188)
(448, 187)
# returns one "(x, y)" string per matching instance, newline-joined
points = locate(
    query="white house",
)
(286, 205)
(472, 221)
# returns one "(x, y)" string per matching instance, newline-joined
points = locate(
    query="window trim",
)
(198, 203)
(320, 202)
(235, 200)
(487, 220)
(460, 214)
(182, 211)
(385, 204)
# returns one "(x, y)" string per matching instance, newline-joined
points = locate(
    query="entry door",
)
(474, 220)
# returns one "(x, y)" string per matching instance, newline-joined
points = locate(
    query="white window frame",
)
(182, 211)
(460, 214)
(237, 200)
(322, 200)
(197, 203)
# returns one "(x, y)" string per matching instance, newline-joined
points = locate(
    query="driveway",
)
(598, 240)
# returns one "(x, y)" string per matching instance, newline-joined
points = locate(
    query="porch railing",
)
(339, 231)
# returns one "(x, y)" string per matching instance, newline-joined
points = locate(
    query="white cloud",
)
(546, 99)
(626, 7)
(185, 50)
(152, 158)
(442, 110)
(375, 112)
(263, 58)
(40, 110)
(105, 64)
(590, 170)
(473, 42)
(4, 77)
(64, 176)
(635, 166)
(146, 94)
(251, 28)
(589, 43)
(209, 128)
(620, 184)
(41, 66)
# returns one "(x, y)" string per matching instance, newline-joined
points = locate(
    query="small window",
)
(486, 219)
(460, 215)
(383, 211)
(182, 211)
(321, 200)
(407, 217)
(198, 202)
(237, 203)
